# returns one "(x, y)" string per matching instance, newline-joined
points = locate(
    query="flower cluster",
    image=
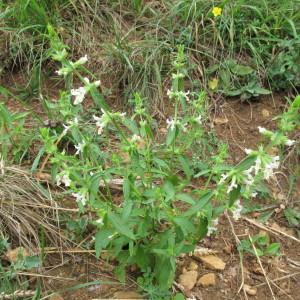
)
(178, 95)
(81, 92)
(236, 212)
(63, 179)
(81, 198)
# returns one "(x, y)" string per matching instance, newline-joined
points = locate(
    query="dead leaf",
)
(250, 290)
(13, 255)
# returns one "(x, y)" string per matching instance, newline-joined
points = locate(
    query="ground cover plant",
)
(144, 190)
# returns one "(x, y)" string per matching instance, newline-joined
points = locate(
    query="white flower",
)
(63, 71)
(262, 129)
(80, 147)
(99, 124)
(199, 120)
(269, 167)
(257, 165)
(65, 179)
(80, 198)
(97, 83)
(223, 178)
(232, 185)
(184, 127)
(248, 151)
(123, 114)
(82, 60)
(135, 138)
(79, 94)
(254, 194)
(290, 143)
(213, 228)
(2, 165)
(236, 212)
(99, 221)
(249, 180)
(171, 124)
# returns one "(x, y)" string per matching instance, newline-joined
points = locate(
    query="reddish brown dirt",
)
(282, 272)
(235, 123)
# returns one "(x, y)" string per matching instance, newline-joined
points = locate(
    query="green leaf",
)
(179, 297)
(120, 226)
(185, 198)
(234, 195)
(99, 99)
(202, 231)
(273, 249)
(186, 166)
(37, 159)
(32, 262)
(199, 204)
(292, 216)
(102, 240)
(171, 136)
(185, 225)
(241, 70)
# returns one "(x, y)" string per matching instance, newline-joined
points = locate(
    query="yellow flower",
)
(217, 11)
(213, 83)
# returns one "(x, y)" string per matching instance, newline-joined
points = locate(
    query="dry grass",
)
(26, 210)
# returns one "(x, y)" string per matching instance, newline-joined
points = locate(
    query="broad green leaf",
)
(234, 195)
(273, 249)
(199, 204)
(185, 225)
(171, 136)
(185, 198)
(241, 70)
(120, 225)
(185, 166)
(102, 240)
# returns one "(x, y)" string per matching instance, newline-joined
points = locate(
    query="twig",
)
(16, 294)
(273, 230)
(278, 279)
(237, 240)
(262, 268)
(45, 276)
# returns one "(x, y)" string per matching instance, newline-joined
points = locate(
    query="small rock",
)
(265, 113)
(220, 121)
(188, 279)
(213, 262)
(127, 295)
(207, 280)
(250, 290)
(193, 266)
(56, 297)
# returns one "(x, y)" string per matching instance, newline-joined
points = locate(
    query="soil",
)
(236, 123)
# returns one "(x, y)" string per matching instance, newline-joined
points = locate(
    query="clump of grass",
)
(26, 210)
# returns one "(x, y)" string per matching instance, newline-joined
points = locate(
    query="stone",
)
(207, 280)
(250, 290)
(188, 280)
(213, 262)
(127, 295)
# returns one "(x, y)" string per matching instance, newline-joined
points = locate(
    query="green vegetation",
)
(157, 55)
